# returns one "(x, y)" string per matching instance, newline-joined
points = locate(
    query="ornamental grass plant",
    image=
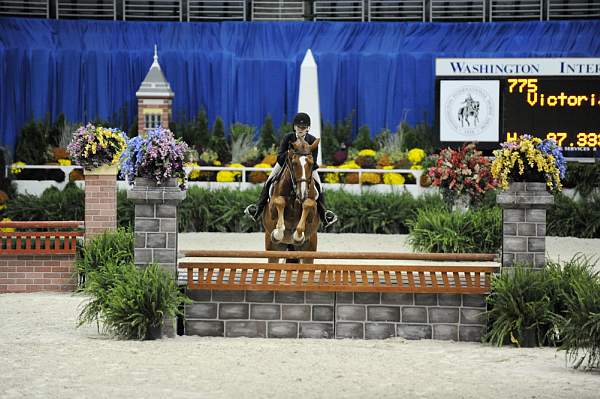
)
(94, 146)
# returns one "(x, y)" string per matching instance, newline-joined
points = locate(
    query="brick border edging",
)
(33, 273)
(297, 314)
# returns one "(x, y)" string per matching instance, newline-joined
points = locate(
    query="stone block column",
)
(156, 222)
(524, 208)
(100, 200)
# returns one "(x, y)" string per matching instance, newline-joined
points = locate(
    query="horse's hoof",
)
(298, 239)
(277, 235)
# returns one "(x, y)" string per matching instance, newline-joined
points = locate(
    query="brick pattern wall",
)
(269, 314)
(100, 204)
(30, 273)
(524, 223)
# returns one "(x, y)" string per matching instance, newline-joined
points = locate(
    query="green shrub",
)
(110, 247)
(217, 210)
(125, 210)
(580, 325)
(439, 230)
(53, 204)
(140, 300)
(99, 282)
(583, 177)
(521, 308)
(574, 218)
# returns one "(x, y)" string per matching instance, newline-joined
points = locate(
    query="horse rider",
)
(301, 127)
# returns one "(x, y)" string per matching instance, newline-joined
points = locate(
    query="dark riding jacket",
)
(286, 144)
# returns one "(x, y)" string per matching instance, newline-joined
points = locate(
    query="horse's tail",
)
(290, 247)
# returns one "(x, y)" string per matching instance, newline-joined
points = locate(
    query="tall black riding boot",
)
(254, 210)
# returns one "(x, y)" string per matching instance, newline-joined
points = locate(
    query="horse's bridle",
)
(295, 181)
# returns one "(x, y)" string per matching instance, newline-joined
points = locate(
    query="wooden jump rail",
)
(339, 277)
(39, 242)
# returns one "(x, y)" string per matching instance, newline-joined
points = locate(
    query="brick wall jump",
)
(269, 314)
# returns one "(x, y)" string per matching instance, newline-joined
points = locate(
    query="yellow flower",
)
(393, 178)
(2, 207)
(332, 177)
(226, 176)
(370, 178)
(417, 167)
(416, 155)
(262, 165)
(367, 153)
(217, 163)
(349, 165)
(64, 162)
(194, 174)
(14, 169)
(7, 229)
(235, 165)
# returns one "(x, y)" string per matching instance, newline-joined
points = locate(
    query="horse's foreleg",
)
(279, 203)
(308, 206)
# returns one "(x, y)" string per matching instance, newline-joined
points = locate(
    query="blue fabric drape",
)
(242, 71)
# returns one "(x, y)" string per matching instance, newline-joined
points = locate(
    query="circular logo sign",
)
(469, 110)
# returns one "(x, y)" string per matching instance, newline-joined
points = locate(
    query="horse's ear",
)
(314, 145)
(297, 145)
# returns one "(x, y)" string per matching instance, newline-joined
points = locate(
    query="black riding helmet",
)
(301, 119)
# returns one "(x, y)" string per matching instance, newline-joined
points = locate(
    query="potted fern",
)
(140, 302)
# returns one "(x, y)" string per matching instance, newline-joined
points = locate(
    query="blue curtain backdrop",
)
(243, 70)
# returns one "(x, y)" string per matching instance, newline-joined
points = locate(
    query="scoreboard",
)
(496, 100)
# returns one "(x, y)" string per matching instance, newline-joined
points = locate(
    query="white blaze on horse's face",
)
(303, 190)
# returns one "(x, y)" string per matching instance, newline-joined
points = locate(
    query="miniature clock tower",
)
(155, 99)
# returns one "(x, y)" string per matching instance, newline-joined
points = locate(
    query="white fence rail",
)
(273, 10)
(103, 9)
(567, 9)
(268, 10)
(515, 10)
(396, 10)
(33, 8)
(347, 10)
(156, 9)
(456, 10)
(215, 10)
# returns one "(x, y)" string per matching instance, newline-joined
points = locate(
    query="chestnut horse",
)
(290, 218)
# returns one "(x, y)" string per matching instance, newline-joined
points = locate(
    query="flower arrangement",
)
(157, 156)
(366, 159)
(461, 172)
(259, 177)
(95, 146)
(529, 159)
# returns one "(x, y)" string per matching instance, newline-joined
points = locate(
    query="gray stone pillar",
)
(524, 223)
(156, 222)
